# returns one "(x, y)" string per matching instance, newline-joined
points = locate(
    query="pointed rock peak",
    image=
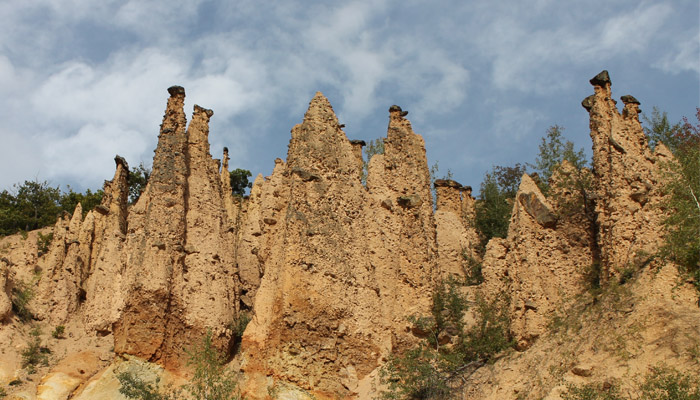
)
(202, 110)
(601, 79)
(320, 109)
(534, 202)
(176, 91)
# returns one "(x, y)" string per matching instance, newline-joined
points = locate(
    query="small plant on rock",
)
(432, 370)
(58, 332)
(34, 354)
(22, 293)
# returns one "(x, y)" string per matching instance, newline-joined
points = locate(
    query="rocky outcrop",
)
(178, 278)
(5, 304)
(457, 238)
(627, 179)
(539, 265)
(107, 257)
(340, 270)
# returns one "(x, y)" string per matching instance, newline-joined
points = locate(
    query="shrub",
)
(22, 294)
(591, 392)
(473, 274)
(432, 369)
(660, 383)
(43, 242)
(58, 332)
(666, 383)
(210, 381)
(682, 189)
(133, 387)
(34, 354)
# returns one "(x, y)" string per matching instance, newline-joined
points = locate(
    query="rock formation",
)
(329, 268)
(342, 266)
(628, 176)
(179, 273)
(456, 237)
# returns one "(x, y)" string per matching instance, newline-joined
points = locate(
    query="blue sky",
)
(83, 80)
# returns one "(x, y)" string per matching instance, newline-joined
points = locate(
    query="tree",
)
(34, 205)
(431, 370)
(660, 130)
(211, 379)
(239, 181)
(138, 179)
(682, 187)
(495, 203)
(553, 150)
(87, 200)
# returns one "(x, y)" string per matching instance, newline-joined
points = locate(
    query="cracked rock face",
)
(627, 176)
(341, 272)
(178, 280)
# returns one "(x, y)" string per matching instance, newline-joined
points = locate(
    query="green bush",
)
(34, 354)
(22, 294)
(58, 332)
(43, 242)
(211, 380)
(663, 383)
(473, 273)
(660, 383)
(432, 369)
(682, 189)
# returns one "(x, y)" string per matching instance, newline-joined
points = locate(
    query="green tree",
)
(138, 179)
(239, 181)
(682, 241)
(660, 130)
(89, 200)
(210, 381)
(432, 369)
(552, 151)
(34, 205)
(493, 209)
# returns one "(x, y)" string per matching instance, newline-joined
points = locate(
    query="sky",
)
(84, 80)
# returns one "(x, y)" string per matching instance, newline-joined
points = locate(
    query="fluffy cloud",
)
(81, 81)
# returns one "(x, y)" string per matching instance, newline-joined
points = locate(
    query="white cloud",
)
(683, 56)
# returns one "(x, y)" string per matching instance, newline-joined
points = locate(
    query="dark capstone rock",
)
(120, 160)
(447, 183)
(629, 99)
(404, 113)
(467, 189)
(601, 79)
(395, 108)
(305, 175)
(176, 90)
(538, 210)
(198, 109)
(587, 103)
(409, 201)
(102, 209)
(360, 142)
(341, 126)
(225, 149)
